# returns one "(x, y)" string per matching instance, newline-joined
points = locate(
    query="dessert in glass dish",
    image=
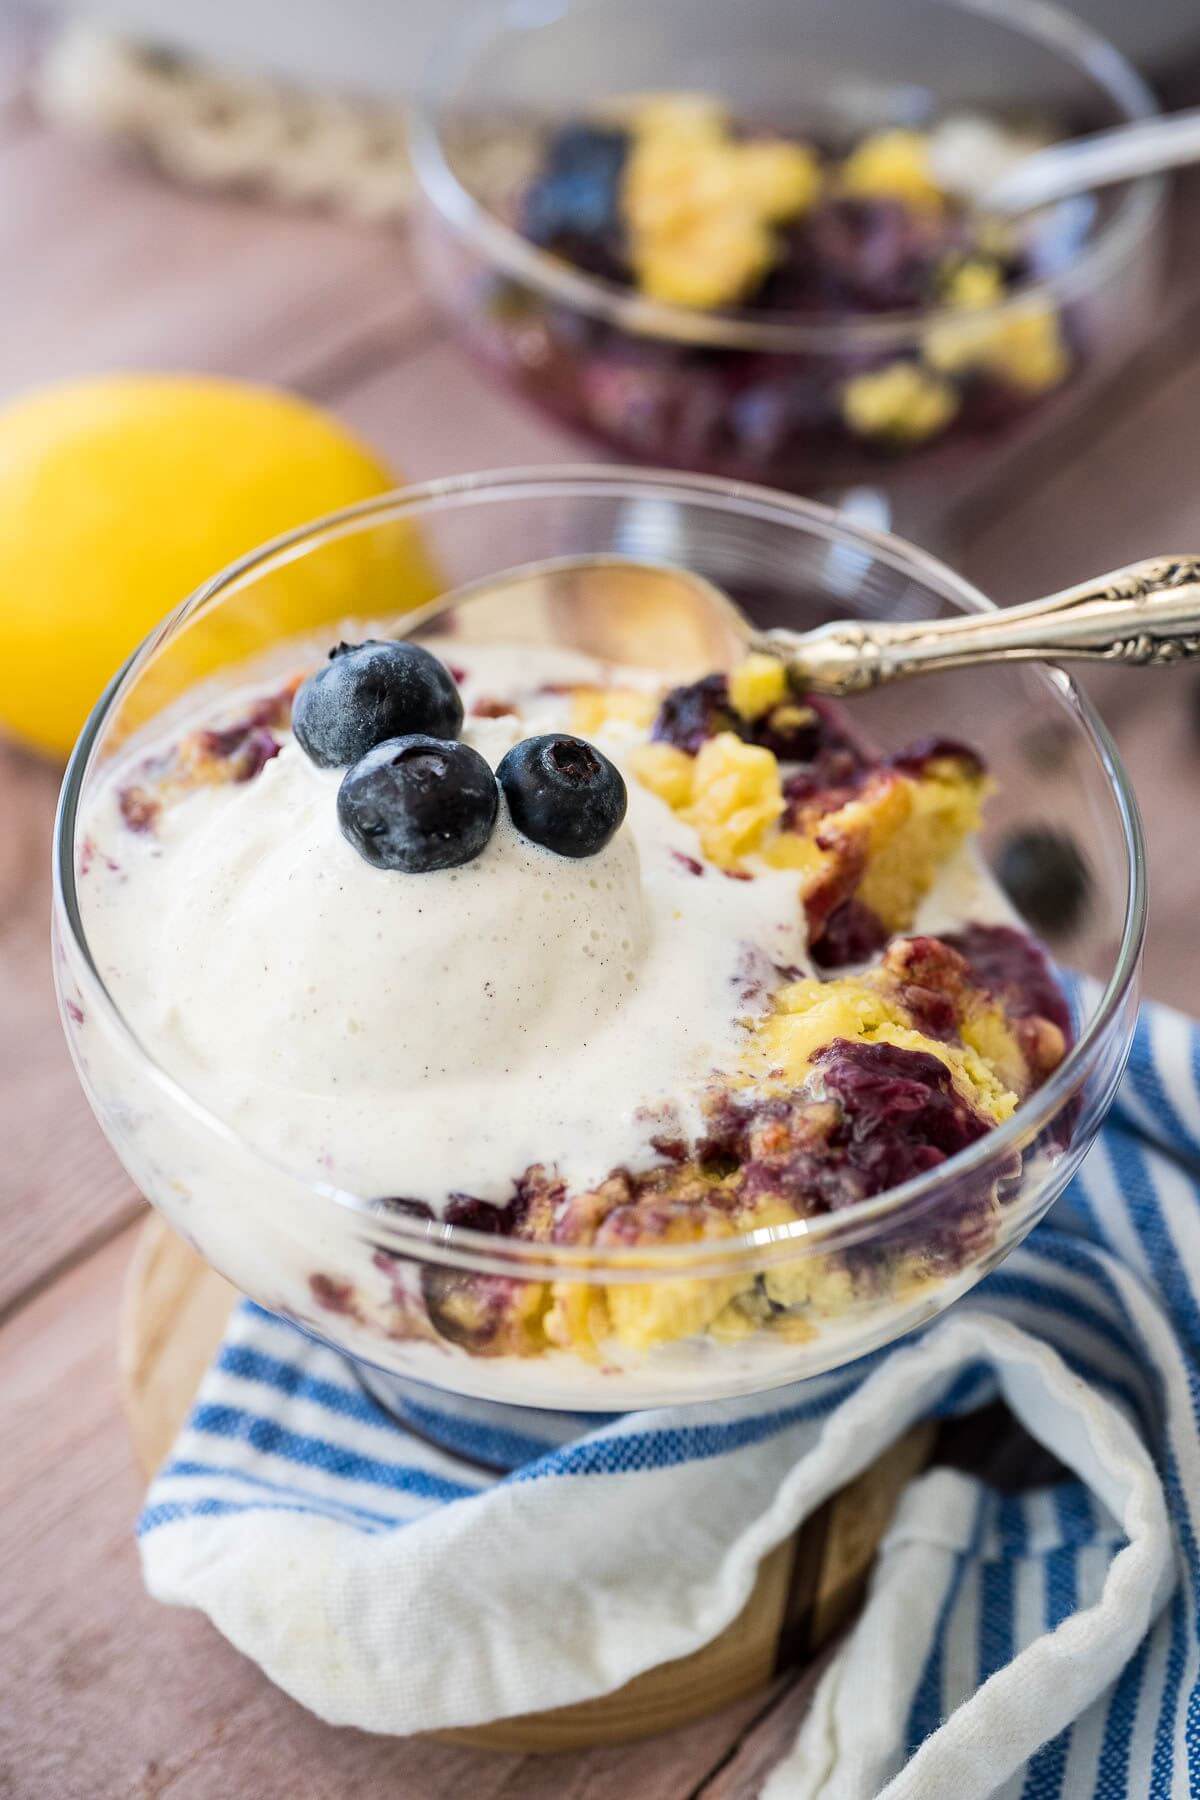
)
(748, 240)
(585, 1034)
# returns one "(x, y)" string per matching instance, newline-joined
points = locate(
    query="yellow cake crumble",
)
(893, 165)
(757, 684)
(594, 708)
(973, 284)
(700, 205)
(900, 404)
(883, 842)
(1026, 347)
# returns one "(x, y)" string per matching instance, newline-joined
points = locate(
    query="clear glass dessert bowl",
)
(899, 398)
(413, 1298)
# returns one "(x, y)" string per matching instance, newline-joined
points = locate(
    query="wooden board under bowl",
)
(173, 1316)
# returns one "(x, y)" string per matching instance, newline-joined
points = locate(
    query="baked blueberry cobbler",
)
(672, 200)
(505, 939)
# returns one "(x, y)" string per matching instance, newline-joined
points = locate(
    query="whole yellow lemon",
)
(121, 494)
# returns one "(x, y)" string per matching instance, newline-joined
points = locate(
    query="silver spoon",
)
(1078, 165)
(662, 616)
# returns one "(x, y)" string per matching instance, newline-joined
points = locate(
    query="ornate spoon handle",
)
(1146, 613)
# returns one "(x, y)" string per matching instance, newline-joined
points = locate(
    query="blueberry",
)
(852, 934)
(690, 715)
(369, 692)
(1046, 876)
(1010, 965)
(477, 1312)
(562, 793)
(915, 758)
(866, 255)
(901, 1112)
(418, 803)
(395, 1206)
(573, 206)
(469, 1214)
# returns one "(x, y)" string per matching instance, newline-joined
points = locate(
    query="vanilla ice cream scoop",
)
(350, 978)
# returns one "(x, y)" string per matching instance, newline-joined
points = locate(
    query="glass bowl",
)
(754, 394)
(374, 1285)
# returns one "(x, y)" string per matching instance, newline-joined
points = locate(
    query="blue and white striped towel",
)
(1036, 1646)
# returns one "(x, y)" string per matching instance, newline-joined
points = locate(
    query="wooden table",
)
(102, 1693)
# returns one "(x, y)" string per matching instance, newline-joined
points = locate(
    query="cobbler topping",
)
(897, 1115)
(865, 834)
(888, 1077)
(756, 704)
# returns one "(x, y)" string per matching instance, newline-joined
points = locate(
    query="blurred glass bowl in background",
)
(759, 394)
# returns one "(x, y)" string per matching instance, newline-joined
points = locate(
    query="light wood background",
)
(103, 1695)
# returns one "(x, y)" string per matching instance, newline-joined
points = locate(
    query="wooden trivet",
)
(173, 1316)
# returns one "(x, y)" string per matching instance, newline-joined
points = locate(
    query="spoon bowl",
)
(662, 616)
(619, 609)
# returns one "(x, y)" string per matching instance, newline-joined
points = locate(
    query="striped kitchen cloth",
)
(1034, 1646)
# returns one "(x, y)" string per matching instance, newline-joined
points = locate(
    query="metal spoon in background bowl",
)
(658, 615)
(1079, 165)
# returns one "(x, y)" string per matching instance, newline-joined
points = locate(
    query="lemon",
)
(121, 494)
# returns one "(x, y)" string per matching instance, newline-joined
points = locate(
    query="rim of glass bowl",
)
(457, 1245)
(1131, 223)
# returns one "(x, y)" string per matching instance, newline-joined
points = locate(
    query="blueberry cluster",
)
(414, 797)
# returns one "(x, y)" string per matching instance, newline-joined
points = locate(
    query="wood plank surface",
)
(1122, 485)
(439, 414)
(103, 1695)
(107, 266)
(61, 1188)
